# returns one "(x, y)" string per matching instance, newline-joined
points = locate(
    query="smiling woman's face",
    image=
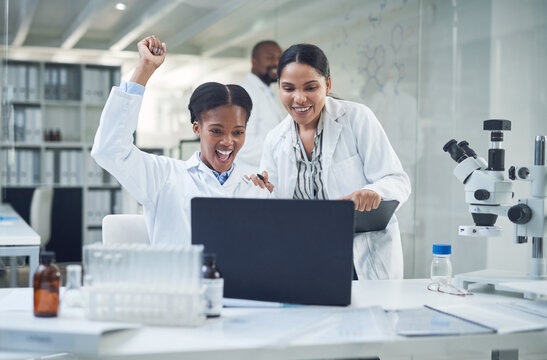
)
(303, 91)
(222, 134)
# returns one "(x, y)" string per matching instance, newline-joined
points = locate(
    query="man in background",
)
(266, 113)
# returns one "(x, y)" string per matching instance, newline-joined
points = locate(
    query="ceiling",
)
(71, 29)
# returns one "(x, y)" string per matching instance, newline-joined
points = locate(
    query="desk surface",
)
(293, 333)
(14, 231)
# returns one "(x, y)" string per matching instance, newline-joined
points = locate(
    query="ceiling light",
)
(120, 6)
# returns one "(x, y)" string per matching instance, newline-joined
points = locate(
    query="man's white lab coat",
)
(265, 115)
(356, 155)
(164, 186)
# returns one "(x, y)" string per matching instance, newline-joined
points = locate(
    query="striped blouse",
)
(309, 184)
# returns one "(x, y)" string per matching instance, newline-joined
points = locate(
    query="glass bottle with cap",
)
(214, 285)
(47, 279)
(441, 267)
(72, 301)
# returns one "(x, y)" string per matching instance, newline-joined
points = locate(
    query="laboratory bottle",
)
(46, 286)
(72, 301)
(214, 285)
(441, 267)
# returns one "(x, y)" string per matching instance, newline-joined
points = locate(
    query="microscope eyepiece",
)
(468, 151)
(456, 152)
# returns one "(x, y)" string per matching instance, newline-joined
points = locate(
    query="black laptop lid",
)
(292, 251)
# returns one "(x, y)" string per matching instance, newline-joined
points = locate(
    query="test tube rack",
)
(157, 285)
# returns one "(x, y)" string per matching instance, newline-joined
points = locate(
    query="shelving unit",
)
(54, 114)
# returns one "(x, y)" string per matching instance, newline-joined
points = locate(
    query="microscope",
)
(488, 191)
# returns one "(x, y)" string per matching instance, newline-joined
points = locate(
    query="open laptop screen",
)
(293, 251)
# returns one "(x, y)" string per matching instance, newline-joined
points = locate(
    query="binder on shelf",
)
(56, 167)
(33, 89)
(13, 170)
(28, 116)
(63, 84)
(37, 128)
(5, 167)
(64, 168)
(18, 173)
(21, 84)
(19, 125)
(36, 167)
(50, 168)
(75, 157)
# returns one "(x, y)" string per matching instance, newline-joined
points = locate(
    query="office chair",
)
(40, 213)
(125, 229)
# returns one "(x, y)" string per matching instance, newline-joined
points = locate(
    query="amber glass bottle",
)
(46, 286)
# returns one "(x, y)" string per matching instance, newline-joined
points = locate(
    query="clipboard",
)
(376, 219)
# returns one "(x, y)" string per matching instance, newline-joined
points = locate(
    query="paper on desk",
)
(349, 325)
(23, 331)
(428, 322)
(271, 327)
(502, 317)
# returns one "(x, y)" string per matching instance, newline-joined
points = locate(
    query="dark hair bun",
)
(210, 95)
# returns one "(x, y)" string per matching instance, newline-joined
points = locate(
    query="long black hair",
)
(210, 95)
(305, 54)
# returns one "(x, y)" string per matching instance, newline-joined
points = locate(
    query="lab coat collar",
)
(195, 162)
(334, 108)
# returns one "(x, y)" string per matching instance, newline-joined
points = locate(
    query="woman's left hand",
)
(364, 200)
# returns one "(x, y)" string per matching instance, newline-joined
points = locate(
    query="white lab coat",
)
(164, 186)
(356, 155)
(265, 115)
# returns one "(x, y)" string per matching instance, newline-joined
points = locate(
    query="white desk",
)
(268, 333)
(17, 239)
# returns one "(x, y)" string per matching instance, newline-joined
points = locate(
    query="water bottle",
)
(441, 267)
(72, 302)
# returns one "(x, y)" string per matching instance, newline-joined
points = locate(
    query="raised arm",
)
(152, 53)
(140, 173)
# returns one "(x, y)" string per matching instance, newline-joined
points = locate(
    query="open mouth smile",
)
(224, 156)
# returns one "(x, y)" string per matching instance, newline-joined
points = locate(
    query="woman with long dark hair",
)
(332, 149)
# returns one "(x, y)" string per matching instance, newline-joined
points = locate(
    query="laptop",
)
(376, 219)
(289, 251)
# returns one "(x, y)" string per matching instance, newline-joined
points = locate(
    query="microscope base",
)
(533, 287)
